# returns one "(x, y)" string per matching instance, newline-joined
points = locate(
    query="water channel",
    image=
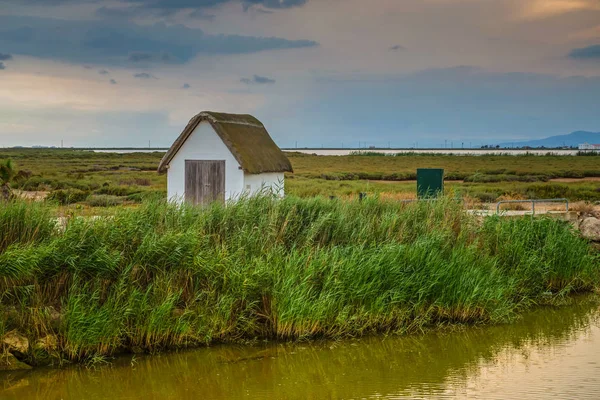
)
(551, 352)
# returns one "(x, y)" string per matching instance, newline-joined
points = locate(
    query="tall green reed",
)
(163, 275)
(24, 222)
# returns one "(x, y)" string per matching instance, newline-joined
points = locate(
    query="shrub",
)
(37, 183)
(104, 200)
(588, 153)
(485, 197)
(136, 182)
(494, 178)
(154, 195)
(117, 190)
(547, 191)
(67, 196)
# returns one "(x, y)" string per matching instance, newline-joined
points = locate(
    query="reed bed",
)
(161, 275)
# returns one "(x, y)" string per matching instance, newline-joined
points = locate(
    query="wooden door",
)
(204, 181)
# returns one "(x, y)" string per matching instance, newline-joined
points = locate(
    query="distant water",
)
(462, 152)
(123, 151)
(345, 152)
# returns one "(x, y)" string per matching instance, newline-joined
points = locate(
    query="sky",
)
(317, 73)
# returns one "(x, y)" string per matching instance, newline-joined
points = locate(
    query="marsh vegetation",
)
(159, 276)
(108, 179)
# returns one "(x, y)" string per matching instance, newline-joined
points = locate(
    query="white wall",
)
(203, 144)
(270, 180)
(587, 146)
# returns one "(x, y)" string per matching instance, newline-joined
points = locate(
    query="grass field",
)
(473, 168)
(158, 276)
(485, 178)
(106, 179)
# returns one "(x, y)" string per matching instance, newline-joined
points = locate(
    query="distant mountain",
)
(572, 140)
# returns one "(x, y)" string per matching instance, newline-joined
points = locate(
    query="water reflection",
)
(471, 361)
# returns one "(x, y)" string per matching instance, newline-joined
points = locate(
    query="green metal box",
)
(430, 182)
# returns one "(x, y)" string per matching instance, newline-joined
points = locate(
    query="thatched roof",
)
(246, 138)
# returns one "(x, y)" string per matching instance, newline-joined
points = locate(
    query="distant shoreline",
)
(339, 151)
(444, 149)
(434, 151)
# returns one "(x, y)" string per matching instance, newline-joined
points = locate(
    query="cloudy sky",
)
(316, 72)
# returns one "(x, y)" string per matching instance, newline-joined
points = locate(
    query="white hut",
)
(221, 156)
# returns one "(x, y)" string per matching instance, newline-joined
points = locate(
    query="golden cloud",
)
(537, 9)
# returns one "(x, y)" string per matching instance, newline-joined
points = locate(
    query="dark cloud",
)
(165, 8)
(141, 57)
(201, 15)
(5, 57)
(173, 4)
(397, 47)
(200, 4)
(257, 80)
(276, 4)
(114, 42)
(144, 75)
(117, 12)
(2, 66)
(113, 82)
(263, 11)
(49, 2)
(262, 79)
(186, 86)
(103, 72)
(586, 53)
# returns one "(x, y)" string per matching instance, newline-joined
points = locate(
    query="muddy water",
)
(549, 353)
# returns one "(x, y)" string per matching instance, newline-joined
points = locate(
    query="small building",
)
(587, 146)
(221, 156)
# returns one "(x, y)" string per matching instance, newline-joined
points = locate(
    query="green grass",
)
(483, 177)
(456, 166)
(160, 276)
(73, 175)
(485, 192)
(79, 177)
